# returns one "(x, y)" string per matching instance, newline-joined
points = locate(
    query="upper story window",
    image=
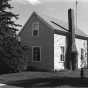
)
(35, 29)
(62, 56)
(19, 39)
(36, 53)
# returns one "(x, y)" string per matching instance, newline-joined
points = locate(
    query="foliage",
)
(12, 52)
(7, 25)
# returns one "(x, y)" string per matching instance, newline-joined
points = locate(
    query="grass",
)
(61, 79)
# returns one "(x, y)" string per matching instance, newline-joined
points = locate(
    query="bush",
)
(15, 55)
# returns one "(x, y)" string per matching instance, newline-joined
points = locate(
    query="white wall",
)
(59, 41)
(81, 44)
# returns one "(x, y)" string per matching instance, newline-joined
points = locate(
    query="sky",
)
(53, 8)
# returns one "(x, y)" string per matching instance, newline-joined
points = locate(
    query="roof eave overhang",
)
(67, 33)
(81, 37)
(60, 32)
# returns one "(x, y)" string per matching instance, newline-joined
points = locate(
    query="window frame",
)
(19, 38)
(63, 54)
(82, 54)
(35, 29)
(33, 54)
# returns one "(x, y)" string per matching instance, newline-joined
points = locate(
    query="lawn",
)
(63, 79)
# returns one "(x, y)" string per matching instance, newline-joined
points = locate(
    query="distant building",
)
(47, 38)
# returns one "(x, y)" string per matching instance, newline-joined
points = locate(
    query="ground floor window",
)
(36, 53)
(62, 53)
(82, 53)
(83, 58)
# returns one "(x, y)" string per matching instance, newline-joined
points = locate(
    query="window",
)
(82, 53)
(83, 59)
(35, 29)
(36, 53)
(62, 53)
(19, 39)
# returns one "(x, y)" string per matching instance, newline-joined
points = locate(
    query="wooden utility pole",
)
(71, 51)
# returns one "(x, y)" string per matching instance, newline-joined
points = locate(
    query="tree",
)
(16, 55)
(7, 25)
(11, 51)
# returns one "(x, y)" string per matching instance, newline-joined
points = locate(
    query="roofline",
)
(50, 26)
(60, 26)
(42, 20)
(67, 33)
(26, 22)
(81, 37)
(77, 36)
(61, 32)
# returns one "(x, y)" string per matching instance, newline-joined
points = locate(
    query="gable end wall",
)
(45, 40)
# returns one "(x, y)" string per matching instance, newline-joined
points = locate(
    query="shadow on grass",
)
(51, 82)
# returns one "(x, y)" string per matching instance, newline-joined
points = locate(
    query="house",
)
(47, 37)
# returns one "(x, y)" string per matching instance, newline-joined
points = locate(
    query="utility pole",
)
(82, 70)
(76, 5)
(71, 50)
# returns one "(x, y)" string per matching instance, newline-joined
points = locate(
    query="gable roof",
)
(50, 20)
(56, 24)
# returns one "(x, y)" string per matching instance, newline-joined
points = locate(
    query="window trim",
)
(35, 29)
(32, 53)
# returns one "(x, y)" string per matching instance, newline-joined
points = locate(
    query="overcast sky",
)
(54, 8)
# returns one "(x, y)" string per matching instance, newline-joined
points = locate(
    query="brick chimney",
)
(71, 51)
